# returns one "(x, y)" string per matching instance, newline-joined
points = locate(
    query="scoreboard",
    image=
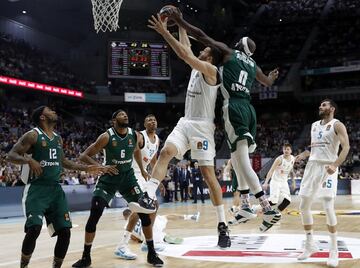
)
(138, 59)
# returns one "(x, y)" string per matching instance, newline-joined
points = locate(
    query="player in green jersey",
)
(41, 150)
(239, 71)
(120, 144)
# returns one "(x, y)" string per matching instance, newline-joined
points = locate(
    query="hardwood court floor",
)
(111, 225)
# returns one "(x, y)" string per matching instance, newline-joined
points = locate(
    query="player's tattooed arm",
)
(17, 154)
(24, 144)
(96, 147)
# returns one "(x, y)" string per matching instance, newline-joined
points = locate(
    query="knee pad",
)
(306, 216)
(64, 233)
(33, 232)
(62, 243)
(145, 219)
(328, 204)
(97, 207)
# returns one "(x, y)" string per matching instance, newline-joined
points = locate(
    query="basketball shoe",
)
(224, 240)
(84, 262)
(144, 205)
(333, 260)
(270, 218)
(310, 248)
(125, 253)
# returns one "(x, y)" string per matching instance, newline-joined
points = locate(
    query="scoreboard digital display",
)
(138, 59)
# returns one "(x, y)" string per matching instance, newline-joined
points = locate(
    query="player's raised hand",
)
(157, 24)
(174, 14)
(274, 74)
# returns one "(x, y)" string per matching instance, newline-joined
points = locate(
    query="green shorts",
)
(240, 122)
(47, 201)
(234, 182)
(125, 183)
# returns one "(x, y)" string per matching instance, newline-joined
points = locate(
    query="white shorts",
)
(195, 135)
(279, 189)
(158, 229)
(317, 182)
(140, 179)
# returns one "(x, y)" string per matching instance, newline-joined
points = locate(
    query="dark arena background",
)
(50, 54)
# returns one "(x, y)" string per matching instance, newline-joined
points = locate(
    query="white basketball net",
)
(106, 14)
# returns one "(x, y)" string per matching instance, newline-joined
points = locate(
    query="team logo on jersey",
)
(328, 127)
(114, 143)
(145, 159)
(130, 142)
(199, 145)
(43, 143)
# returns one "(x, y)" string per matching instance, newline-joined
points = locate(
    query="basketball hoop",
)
(106, 14)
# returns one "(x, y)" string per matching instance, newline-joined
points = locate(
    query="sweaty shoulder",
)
(103, 139)
(30, 136)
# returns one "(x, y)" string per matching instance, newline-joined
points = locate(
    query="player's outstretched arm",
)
(68, 164)
(199, 34)
(94, 149)
(183, 37)
(267, 80)
(16, 154)
(184, 52)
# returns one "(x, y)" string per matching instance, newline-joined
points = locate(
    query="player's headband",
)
(116, 113)
(244, 42)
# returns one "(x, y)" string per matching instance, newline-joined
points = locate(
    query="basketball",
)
(165, 11)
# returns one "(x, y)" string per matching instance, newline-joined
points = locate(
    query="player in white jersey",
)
(149, 148)
(148, 154)
(159, 227)
(195, 130)
(279, 175)
(320, 176)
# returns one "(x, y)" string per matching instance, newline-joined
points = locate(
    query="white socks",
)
(309, 235)
(151, 187)
(220, 212)
(333, 241)
(264, 203)
(245, 200)
(125, 239)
